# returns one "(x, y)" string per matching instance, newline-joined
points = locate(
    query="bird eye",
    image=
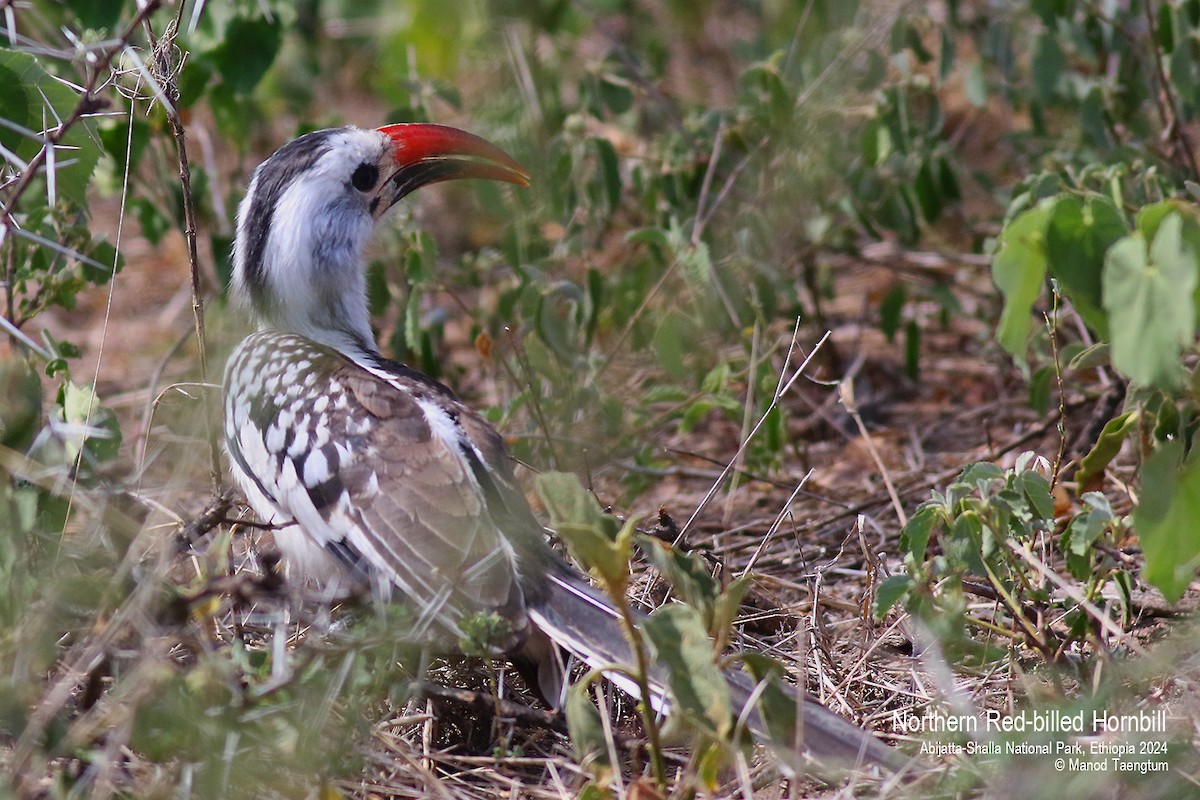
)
(364, 177)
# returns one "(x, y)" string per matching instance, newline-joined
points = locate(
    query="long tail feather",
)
(584, 623)
(587, 626)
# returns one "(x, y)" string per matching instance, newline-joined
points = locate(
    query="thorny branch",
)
(88, 103)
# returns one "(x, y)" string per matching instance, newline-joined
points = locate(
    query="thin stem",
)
(170, 80)
(10, 275)
(1052, 327)
(535, 402)
(644, 706)
(782, 390)
(189, 232)
(1033, 635)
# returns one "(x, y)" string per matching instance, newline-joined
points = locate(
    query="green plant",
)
(986, 537)
(687, 642)
(1134, 284)
(1109, 224)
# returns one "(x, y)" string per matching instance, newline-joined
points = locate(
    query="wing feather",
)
(379, 470)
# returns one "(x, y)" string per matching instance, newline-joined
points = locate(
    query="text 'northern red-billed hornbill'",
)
(377, 475)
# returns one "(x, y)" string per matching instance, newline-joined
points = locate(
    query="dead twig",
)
(488, 704)
(213, 515)
(781, 390)
(846, 393)
(1052, 328)
(169, 77)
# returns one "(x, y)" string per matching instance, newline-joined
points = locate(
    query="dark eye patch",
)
(364, 177)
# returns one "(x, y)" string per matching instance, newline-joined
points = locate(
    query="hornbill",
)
(376, 475)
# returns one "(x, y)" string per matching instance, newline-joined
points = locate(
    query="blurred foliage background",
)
(987, 205)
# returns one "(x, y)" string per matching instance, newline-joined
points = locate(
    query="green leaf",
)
(16, 101)
(664, 393)
(20, 402)
(1049, 9)
(947, 54)
(652, 236)
(1040, 384)
(710, 764)
(1079, 234)
(412, 317)
(979, 472)
(975, 85)
(1112, 437)
(615, 94)
(483, 634)
(93, 427)
(912, 40)
(29, 95)
(912, 349)
(1093, 119)
(1078, 564)
(1171, 421)
(99, 14)
(610, 171)
(915, 536)
(696, 265)
(221, 247)
(890, 310)
(1098, 355)
(1036, 490)
(890, 592)
(594, 538)
(154, 223)
(595, 790)
(1124, 582)
(1019, 269)
(1166, 28)
(1087, 526)
(670, 343)
(1048, 67)
(680, 642)
(728, 603)
(234, 112)
(1166, 519)
(247, 51)
(895, 212)
(777, 707)
(194, 79)
(1151, 216)
(947, 182)
(104, 254)
(1149, 298)
(594, 301)
(687, 575)
(928, 192)
(876, 143)
(587, 732)
(1182, 68)
(873, 73)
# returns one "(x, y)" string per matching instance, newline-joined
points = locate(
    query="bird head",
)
(311, 208)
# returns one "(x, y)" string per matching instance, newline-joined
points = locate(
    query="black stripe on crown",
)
(273, 178)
